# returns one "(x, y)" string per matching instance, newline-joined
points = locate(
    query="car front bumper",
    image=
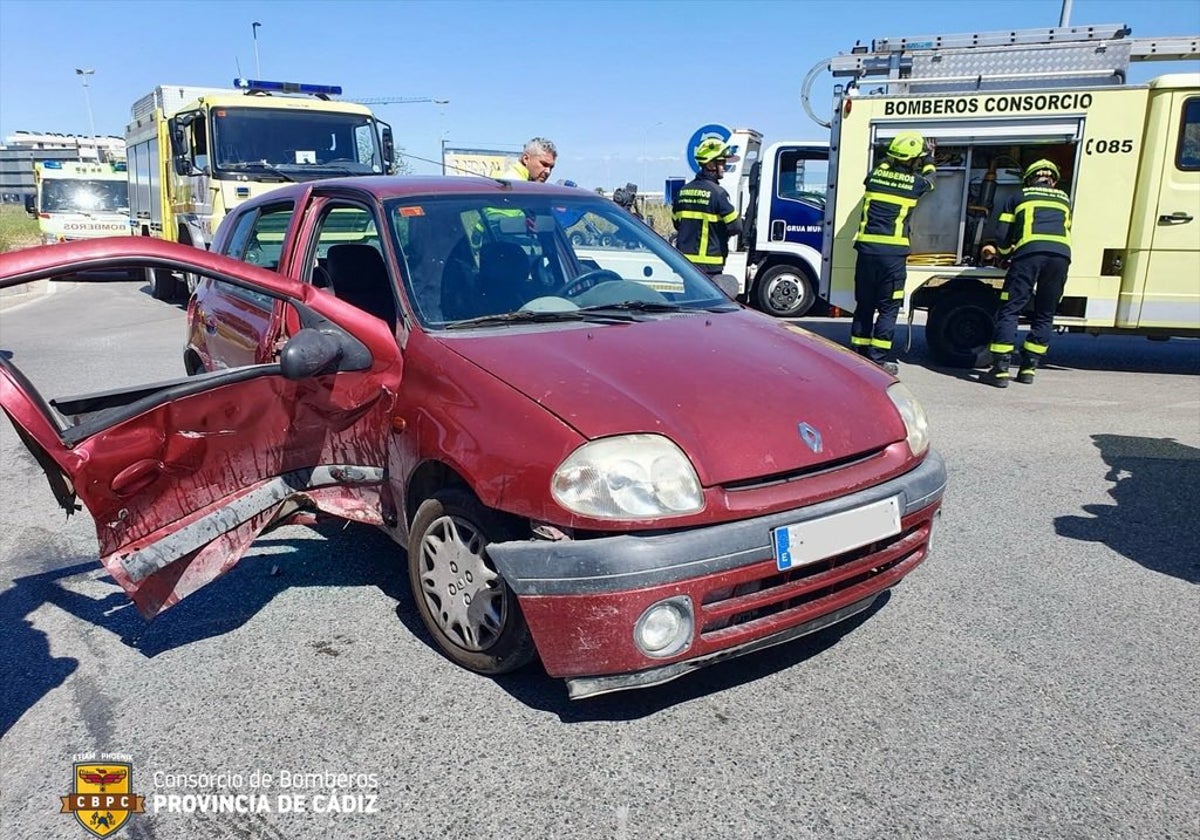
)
(583, 598)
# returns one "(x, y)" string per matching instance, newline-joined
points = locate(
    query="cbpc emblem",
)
(103, 798)
(810, 436)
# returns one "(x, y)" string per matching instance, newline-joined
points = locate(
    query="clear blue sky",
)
(619, 85)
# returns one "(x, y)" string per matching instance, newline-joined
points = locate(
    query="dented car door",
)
(181, 476)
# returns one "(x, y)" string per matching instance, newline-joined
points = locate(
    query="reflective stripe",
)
(1036, 349)
(881, 343)
(1006, 217)
(705, 259)
(1028, 209)
(1027, 371)
(1004, 296)
(1000, 348)
(698, 214)
(859, 341)
(898, 294)
(896, 237)
(729, 217)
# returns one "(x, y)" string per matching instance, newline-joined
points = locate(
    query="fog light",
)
(665, 628)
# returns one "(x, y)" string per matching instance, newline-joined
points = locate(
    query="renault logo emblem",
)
(810, 436)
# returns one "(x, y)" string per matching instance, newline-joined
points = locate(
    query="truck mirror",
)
(389, 148)
(183, 166)
(31, 205)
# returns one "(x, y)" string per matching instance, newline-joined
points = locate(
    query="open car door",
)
(182, 475)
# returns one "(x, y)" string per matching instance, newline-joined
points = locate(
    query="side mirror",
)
(728, 284)
(183, 166)
(389, 148)
(308, 353)
(31, 205)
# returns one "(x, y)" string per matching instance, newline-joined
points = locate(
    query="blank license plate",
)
(817, 539)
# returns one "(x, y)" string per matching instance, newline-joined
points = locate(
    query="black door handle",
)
(1178, 217)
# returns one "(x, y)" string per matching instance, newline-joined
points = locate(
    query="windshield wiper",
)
(527, 316)
(242, 166)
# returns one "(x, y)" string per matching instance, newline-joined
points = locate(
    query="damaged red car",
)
(588, 453)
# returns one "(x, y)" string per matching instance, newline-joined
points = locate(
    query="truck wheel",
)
(959, 329)
(784, 291)
(464, 603)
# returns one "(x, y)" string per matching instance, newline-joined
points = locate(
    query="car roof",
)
(385, 187)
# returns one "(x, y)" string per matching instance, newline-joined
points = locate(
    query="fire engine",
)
(79, 199)
(995, 102)
(195, 153)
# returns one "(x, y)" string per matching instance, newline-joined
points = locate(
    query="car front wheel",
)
(465, 604)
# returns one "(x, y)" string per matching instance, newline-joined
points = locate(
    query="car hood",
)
(732, 389)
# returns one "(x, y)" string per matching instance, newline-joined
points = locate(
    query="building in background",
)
(22, 149)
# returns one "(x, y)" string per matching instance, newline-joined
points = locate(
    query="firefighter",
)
(1034, 233)
(704, 216)
(880, 269)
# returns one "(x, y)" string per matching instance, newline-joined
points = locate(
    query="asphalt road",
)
(1037, 678)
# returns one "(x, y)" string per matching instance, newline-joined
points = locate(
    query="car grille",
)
(768, 596)
(806, 472)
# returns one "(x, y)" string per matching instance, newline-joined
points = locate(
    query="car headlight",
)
(627, 477)
(913, 416)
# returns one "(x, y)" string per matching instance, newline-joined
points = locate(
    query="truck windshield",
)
(295, 140)
(79, 196)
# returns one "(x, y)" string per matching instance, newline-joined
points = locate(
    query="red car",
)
(591, 456)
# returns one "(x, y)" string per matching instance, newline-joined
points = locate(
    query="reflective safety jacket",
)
(892, 193)
(515, 171)
(1037, 220)
(705, 218)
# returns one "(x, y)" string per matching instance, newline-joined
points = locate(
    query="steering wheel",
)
(586, 281)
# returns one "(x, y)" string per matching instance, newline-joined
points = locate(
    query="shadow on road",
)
(1156, 494)
(278, 564)
(1128, 353)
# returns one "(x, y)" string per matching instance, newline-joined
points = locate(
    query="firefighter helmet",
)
(907, 145)
(1038, 167)
(710, 150)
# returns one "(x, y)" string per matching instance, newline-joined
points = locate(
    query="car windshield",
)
(471, 258)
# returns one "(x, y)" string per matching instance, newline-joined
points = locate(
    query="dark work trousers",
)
(878, 288)
(1048, 274)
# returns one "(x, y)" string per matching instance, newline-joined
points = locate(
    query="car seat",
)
(359, 277)
(503, 277)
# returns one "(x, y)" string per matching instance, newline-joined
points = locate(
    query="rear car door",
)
(181, 475)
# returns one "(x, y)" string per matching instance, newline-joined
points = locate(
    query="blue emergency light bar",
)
(288, 87)
(52, 164)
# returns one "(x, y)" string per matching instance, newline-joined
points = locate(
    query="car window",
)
(258, 239)
(466, 257)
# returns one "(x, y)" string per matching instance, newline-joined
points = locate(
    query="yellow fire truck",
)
(995, 102)
(79, 199)
(195, 153)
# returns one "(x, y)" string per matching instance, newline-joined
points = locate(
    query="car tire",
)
(466, 606)
(784, 291)
(165, 286)
(960, 327)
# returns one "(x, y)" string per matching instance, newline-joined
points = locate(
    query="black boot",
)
(998, 374)
(1028, 368)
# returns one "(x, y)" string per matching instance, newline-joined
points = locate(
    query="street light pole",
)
(442, 112)
(87, 98)
(257, 67)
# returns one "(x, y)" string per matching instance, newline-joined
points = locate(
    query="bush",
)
(17, 228)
